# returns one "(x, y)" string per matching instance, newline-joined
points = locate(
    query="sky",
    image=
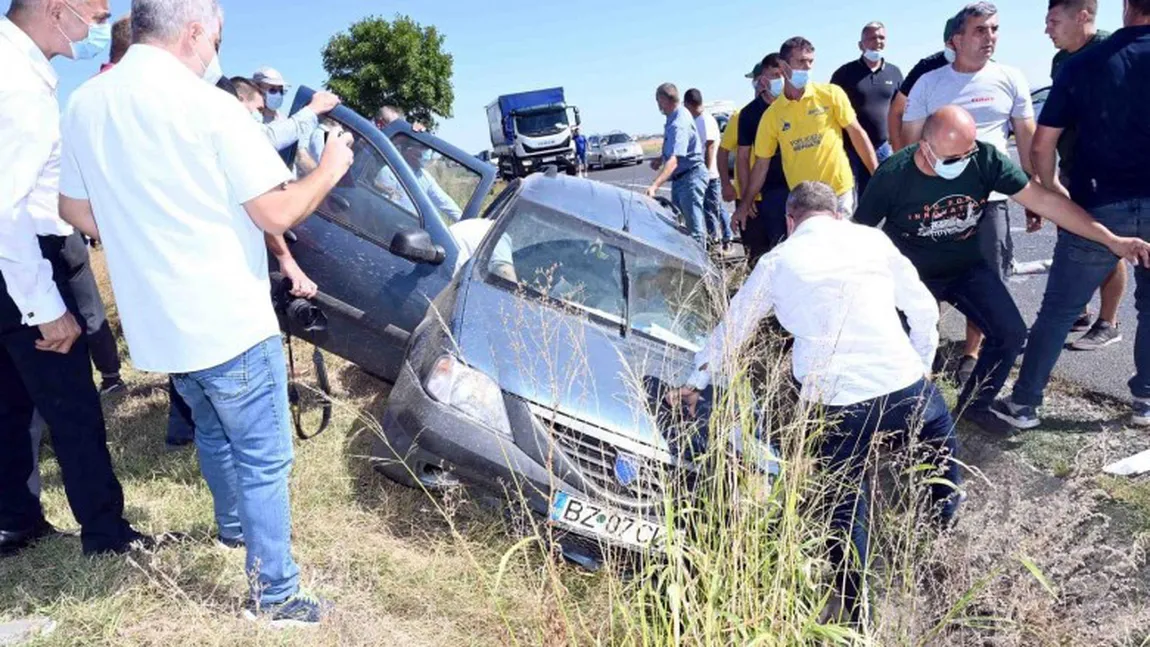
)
(609, 55)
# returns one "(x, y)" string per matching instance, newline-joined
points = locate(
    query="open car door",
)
(378, 246)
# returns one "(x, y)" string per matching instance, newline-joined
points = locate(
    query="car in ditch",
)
(523, 364)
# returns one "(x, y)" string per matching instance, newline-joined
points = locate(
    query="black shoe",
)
(14, 541)
(111, 385)
(1083, 323)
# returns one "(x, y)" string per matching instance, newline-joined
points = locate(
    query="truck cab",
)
(533, 130)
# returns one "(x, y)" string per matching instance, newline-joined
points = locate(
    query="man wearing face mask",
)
(808, 124)
(43, 355)
(767, 223)
(870, 83)
(933, 197)
(285, 131)
(928, 64)
(181, 187)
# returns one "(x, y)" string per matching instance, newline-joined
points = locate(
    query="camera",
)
(297, 313)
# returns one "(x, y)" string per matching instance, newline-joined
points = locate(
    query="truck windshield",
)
(542, 124)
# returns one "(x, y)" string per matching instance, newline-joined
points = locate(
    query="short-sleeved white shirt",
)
(994, 96)
(167, 162)
(708, 128)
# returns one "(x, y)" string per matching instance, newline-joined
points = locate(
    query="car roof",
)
(610, 207)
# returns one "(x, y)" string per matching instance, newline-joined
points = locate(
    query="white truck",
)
(531, 131)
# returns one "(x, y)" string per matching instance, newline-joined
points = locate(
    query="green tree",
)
(400, 63)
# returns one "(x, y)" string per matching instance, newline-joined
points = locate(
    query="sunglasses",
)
(949, 161)
(275, 90)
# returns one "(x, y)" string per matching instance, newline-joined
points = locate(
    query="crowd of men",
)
(183, 186)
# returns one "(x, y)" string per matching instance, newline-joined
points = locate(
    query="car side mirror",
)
(416, 246)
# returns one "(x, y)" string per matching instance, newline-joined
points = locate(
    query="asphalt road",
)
(1104, 371)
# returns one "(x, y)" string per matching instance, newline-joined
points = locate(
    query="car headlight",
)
(477, 396)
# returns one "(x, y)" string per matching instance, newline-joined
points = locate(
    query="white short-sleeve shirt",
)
(167, 167)
(708, 128)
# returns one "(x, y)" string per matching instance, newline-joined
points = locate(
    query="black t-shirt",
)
(928, 64)
(870, 92)
(1104, 92)
(749, 118)
(934, 222)
(1069, 136)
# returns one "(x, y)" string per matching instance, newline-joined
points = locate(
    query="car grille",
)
(562, 146)
(595, 460)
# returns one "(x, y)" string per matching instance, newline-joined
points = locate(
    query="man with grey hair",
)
(181, 187)
(998, 97)
(870, 82)
(838, 287)
(43, 355)
(681, 162)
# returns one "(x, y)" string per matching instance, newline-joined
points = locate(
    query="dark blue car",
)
(523, 366)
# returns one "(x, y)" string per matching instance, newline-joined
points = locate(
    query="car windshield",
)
(550, 255)
(541, 124)
(450, 185)
(619, 139)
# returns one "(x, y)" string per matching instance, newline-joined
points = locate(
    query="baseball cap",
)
(270, 76)
(756, 71)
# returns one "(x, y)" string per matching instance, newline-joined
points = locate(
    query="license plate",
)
(548, 159)
(604, 523)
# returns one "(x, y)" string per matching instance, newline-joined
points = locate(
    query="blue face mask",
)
(800, 78)
(274, 100)
(776, 86)
(97, 41)
(946, 171)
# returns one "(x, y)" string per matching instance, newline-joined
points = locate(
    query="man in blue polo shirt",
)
(682, 162)
(1103, 94)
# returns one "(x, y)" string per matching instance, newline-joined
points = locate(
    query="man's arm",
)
(743, 169)
(915, 301)
(301, 284)
(758, 177)
(440, 199)
(665, 172)
(1044, 156)
(78, 213)
(748, 307)
(863, 145)
(282, 133)
(723, 162)
(894, 121)
(1073, 218)
(1024, 129)
(912, 131)
(282, 207)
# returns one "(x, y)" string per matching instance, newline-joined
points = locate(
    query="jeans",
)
(243, 435)
(718, 220)
(769, 226)
(995, 239)
(981, 295)
(862, 176)
(60, 387)
(917, 411)
(688, 192)
(1080, 266)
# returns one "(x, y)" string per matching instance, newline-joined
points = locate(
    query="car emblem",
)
(626, 469)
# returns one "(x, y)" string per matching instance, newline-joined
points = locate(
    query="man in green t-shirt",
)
(1071, 27)
(931, 196)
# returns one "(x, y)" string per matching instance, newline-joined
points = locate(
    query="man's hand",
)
(684, 395)
(729, 194)
(337, 153)
(1135, 250)
(652, 191)
(301, 285)
(743, 213)
(59, 335)
(323, 103)
(656, 163)
(1033, 222)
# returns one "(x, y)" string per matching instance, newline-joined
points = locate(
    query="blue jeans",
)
(1080, 266)
(243, 434)
(980, 294)
(688, 192)
(718, 220)
(862, 176)
(917, 411)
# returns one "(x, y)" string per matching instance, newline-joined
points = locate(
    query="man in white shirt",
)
(838, 288)
(998, 97)
(181, 186)
(718, 221)
(43, 357)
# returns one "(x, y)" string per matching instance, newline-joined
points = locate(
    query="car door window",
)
(370, 200)
(449, 184)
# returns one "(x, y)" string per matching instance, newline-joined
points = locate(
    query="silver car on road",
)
(613, 149)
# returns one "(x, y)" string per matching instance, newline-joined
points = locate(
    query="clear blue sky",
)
(608, 54)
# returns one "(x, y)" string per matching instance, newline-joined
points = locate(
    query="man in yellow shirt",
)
(807, 123)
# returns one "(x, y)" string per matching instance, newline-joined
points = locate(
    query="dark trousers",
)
(61, 388)
(93, 316)
(181, 426)
(980, 294)
(769, 226)
(918, 411)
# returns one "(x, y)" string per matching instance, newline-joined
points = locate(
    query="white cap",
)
(270, 76)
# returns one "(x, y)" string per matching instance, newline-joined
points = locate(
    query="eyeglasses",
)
(275, 90)
(948, 161)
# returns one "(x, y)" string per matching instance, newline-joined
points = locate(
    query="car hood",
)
(565, 362)
(621, 148)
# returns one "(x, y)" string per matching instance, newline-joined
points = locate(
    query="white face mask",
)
(949, 54)
(872, 55)
(950, 171)
(213, 72)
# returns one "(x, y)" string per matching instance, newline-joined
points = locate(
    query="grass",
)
(652, 146)
(1036, 558)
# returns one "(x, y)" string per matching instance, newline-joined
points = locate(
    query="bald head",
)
(950, 131)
